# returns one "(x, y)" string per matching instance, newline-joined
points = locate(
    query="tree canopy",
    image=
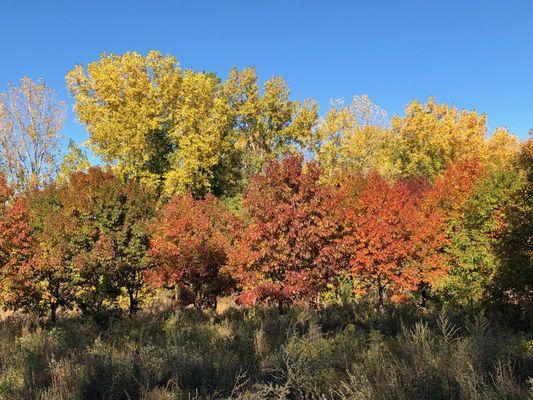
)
(211, 187)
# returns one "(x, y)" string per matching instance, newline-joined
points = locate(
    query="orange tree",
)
(399, 230)
(288, 250)
(395, 239)
(190, 244)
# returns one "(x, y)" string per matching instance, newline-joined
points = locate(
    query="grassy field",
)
(340, 352)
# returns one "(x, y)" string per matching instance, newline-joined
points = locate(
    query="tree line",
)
(210, 187)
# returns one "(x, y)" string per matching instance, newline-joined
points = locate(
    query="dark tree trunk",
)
(424, 294)
(133, 302)
(380, 295)
(53, 312)
(198, 300)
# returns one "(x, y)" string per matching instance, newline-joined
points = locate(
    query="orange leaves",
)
(398, 228)
(290, 247)
(302, 235)
(454, 186)
(190, 245)
(297, 237)
(395, 240)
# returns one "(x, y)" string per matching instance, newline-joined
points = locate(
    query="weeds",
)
(342, 352)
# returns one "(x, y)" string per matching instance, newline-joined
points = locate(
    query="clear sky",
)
(476, 54)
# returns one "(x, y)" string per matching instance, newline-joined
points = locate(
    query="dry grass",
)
(341, 352)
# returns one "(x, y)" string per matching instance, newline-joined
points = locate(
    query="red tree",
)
(16, 245)
(396, 237)
(190, 245)
(289, 248)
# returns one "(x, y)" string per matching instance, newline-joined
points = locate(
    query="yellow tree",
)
(125, 102)
(431, 135)
(354, 137)
(502, 149)
(200, 146)
(266, 123)
(180, 130)
(74, 160)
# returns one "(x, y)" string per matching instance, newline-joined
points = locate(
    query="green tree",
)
(513, 282)
(108, 221)
(91, 244)
(473, 239)
(52, 277)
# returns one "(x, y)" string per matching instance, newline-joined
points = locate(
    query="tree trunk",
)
(53, 312)
(199, 300)
(424, 288)
(380, 295)
(133, 302)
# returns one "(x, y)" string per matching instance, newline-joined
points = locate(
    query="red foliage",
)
(190, 245)
(289, 251)
(396, 236)
(15, 242)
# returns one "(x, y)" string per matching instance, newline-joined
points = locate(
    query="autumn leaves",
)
(297, 236)
(214, 187)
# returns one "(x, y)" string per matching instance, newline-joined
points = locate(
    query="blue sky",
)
(474, 54)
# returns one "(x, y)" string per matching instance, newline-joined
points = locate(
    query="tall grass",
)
(341, 352)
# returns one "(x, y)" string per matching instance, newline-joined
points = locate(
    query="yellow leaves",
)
(356, 138)
(122, 101)
(267, 125)
(181, 130)
(430, 136)
(187, 130)
(201, 124)
(502, 148)
(75, 160)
